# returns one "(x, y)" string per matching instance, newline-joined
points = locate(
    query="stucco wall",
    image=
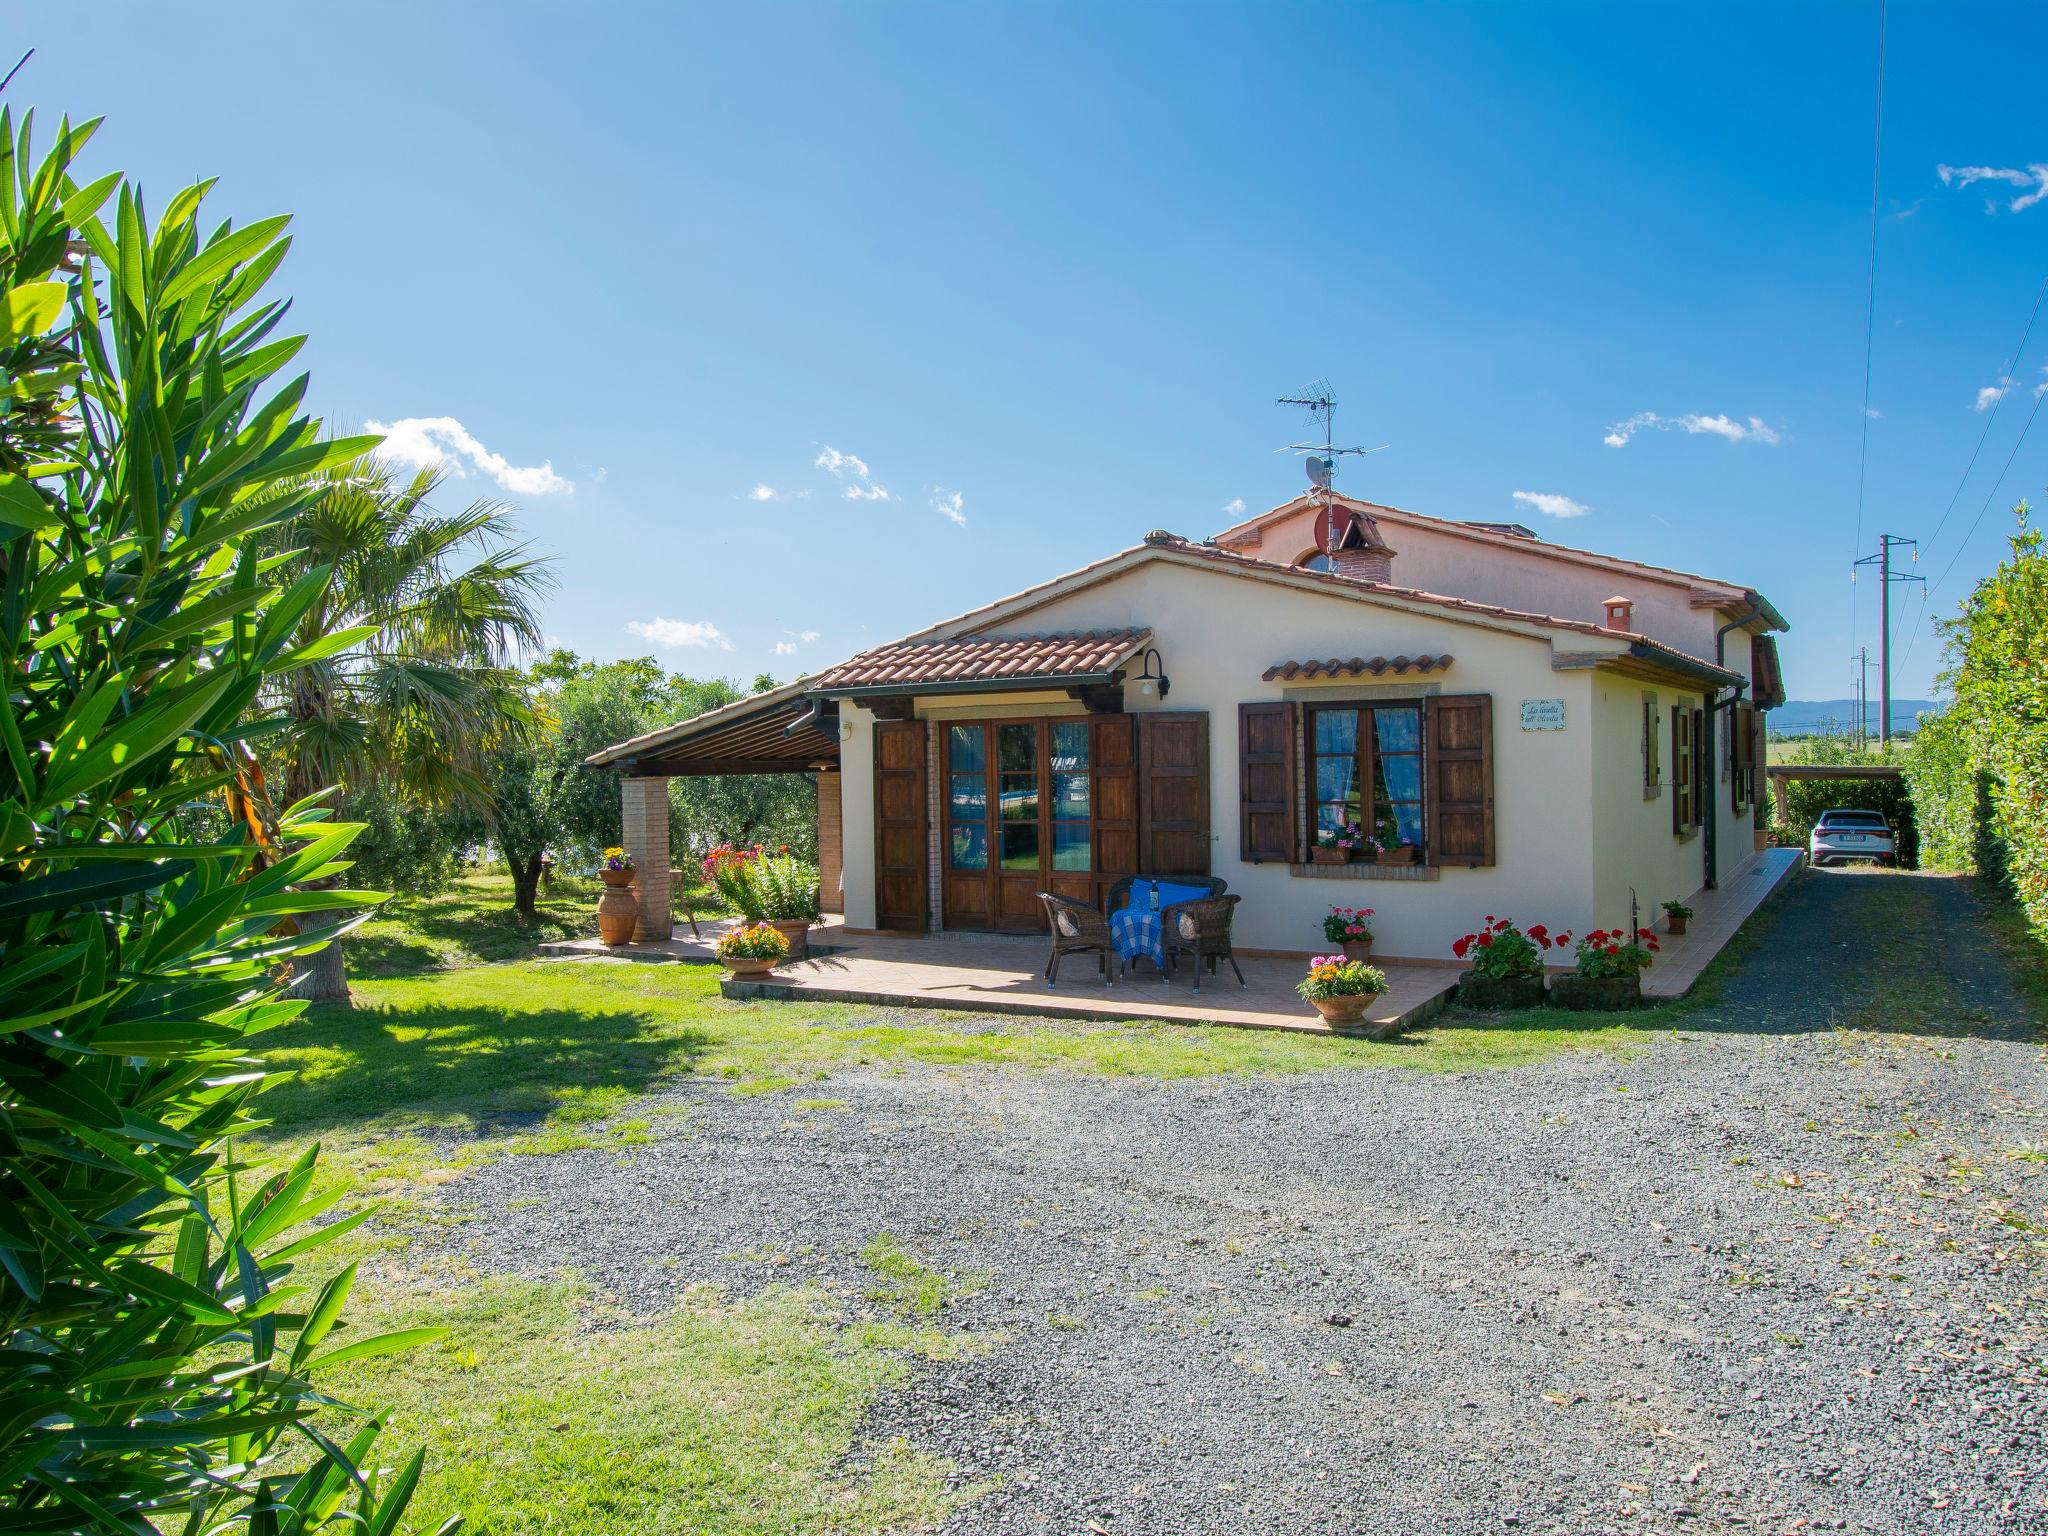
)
(857, 805)
(1217, 634)
(1522, 578)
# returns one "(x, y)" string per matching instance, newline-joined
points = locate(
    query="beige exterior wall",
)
(1572, 829)
(1496, 571)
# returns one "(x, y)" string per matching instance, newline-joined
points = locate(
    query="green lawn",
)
(545, 1410)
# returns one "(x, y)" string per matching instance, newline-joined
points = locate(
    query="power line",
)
(1869, 316)
(2011, 371)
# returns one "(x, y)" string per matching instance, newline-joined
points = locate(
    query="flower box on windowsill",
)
(1329, 855)
(1405, 854)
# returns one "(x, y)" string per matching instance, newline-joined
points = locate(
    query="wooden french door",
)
(1033, 805)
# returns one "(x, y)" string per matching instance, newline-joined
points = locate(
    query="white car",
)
(1840, 835)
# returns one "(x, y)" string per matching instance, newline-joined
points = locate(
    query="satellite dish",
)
(1318, 472)
(1333, 523)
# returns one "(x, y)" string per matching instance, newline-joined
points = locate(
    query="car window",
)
(1853, 819)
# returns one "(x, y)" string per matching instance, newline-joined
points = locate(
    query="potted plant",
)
(1336, 845)
(1507, 965)
(1397, 853)
(1675, 914)
(777, 888)
(1609, 974)
(1349, 929)
(751, 950)
(1341, 991)
(618, 910)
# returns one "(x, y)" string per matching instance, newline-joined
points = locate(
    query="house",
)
(1533, 730)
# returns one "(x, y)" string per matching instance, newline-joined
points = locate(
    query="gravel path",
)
(1755, 1275)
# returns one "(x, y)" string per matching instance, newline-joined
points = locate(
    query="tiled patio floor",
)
(1003, 973)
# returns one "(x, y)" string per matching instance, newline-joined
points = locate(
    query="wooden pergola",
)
(1782, 774)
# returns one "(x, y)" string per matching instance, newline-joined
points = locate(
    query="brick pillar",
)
(643, 821)
(831, 857)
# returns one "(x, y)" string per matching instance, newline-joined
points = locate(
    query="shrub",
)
(763, 886)
(162, 1340)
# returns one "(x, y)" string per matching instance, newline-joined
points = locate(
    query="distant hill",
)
(1806, 717)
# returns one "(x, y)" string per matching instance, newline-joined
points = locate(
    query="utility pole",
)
(1861, 656)
(1886, 543)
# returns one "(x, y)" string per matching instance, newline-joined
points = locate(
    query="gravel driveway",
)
(1755, 1274)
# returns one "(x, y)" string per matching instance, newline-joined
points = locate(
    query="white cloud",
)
(1752, 430)
(1234, 507)
(770, 493)
(1551, 504)
(950, 504)
(785, 648)
(1991, 394)
(852, 472)
(809, 637)
(1873, 413)
(443, 442)
(679, 634)
(2033, 182)
(797, 638)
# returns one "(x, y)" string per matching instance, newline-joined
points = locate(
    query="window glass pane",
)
(1406, 820)
(1070, 796)
(1336, 730)
(1020, 846)
(1070, 746)
(1070, 847)
(1017, 747)
(969, 848)
(1399, 778)
(1398, 730)
(966, 748)
(1332, 818)
(968, 797)
(1336, 778)
(1020, 797)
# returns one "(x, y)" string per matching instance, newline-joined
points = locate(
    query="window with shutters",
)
(1364, 768)
(1684, 817)
(1741, 757)
(1652, 748)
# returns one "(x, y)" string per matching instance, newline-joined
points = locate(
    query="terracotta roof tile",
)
(984, 659)
(1357, 666)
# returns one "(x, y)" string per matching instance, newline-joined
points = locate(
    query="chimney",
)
(1363, 554)
(1619, 610)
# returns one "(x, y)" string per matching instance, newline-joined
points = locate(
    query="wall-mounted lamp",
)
(1151, 683)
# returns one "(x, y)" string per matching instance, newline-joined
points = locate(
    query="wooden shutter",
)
(1653, 749)
(1173, 792)
(1266, 775)
(1458, 760)
(902, 825)
(1681, 769)
(1113, 799)
(1703, 771)
(1742, 756)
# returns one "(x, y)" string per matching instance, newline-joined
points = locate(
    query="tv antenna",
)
(1320, 459)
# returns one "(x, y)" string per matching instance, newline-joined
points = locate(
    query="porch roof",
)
(779, 731)
(979, 662)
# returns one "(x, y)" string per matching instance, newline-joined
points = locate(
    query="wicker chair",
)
(1201, 929)
(1077, 929)
(1120, 895)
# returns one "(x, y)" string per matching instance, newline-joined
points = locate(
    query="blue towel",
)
(1136, 934)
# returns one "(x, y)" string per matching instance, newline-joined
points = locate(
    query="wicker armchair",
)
(1201, 929)
(1077, 929)
(1120, 895)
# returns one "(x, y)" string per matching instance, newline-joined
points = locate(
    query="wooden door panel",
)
(1173, 793)
(902, 876)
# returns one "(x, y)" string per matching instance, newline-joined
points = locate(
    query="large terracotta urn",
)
(797, 931)
(617, 908)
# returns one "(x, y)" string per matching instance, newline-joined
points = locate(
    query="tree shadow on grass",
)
(485, 1070)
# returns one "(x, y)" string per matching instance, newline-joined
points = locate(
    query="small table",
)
(1138, 934)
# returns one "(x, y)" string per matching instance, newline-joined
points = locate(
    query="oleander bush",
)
(161, 1335)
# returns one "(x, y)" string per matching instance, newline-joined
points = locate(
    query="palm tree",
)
(437, 608)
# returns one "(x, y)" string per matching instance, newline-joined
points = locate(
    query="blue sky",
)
(1041, 270)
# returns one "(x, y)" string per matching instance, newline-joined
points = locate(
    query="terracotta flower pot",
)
(617, 908)
(797, 931)
(1596, 994)
(1402, 855)
(1495, 993)
(1674, 925)
(1358, 949)
(745, 968)
(1342, 1012)
(1329, 856)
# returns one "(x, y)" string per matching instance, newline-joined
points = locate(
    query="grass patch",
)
(2025, 951)
(544, 1412)
(908, 1285)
